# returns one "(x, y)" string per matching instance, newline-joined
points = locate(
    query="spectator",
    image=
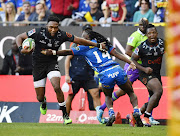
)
(26, 14)
(47, 4)
(41, 14)
(117, 9)
(19, 4)
(144, 12)
(18, 63)
(102, 21)
(159, 9)
(82, 10)
(10, 14)
(95, 14)
(131, 9)
(63, 8)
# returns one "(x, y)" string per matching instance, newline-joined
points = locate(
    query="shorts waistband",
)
(109, 69)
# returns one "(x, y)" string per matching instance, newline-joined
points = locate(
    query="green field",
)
(43, 129)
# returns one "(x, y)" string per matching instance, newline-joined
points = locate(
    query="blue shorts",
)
(111, 76)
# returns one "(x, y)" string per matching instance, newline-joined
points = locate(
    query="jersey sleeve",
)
(138, 50)
(110, 49)
(80, 50)
(68, 37)
(132, 40)
(33, 33)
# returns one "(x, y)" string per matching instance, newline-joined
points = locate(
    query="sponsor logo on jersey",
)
(42, 41)
(136, 51)
(68, 35)
(130, 39)
(77, 48)
(31, 32)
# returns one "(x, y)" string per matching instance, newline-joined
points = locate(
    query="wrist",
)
(98, 45)
(54, 52)
(20, 48)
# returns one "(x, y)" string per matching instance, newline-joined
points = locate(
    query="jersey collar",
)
(140, 32)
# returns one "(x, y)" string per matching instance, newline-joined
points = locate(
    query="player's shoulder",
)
(33, 31)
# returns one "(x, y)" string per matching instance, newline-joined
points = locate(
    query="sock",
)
(44, 103)
(147, 114)
(140, 113)
(111, 112)
(63, 108)
(114, 97)
(148, 101)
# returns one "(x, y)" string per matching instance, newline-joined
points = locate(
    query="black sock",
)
(146, 115)
(43, 103)
(63, 108)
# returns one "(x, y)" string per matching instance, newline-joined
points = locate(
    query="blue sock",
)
(111, 112)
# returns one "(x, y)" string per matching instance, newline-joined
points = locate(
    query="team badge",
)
(130, 39)
(31, 32)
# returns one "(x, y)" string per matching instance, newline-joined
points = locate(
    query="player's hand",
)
(47, 52)
(148, 70)
(132, 66)
(19, 69)
(103, 47)
(67, 78)
(27, 50)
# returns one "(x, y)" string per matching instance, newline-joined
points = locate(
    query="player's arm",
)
(135, 57)
(50, 52)
(128, 50)
(123, 58)
(19, 40)
(82, 41)
(67, 66)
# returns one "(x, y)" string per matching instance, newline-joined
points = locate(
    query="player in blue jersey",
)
(110, 72)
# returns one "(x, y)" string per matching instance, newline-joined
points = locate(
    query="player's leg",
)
(109, 103)
(40, 94)
(127, 87)
(155, 86)
(54, 77)
(90, 101)
(151, 119)
(69, 99)
(133, 75)
(39, 78)
(75, 88)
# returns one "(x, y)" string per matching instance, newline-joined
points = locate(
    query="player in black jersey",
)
(150, 52)
(49, 37)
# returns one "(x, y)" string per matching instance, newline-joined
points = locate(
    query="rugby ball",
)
(28, 42)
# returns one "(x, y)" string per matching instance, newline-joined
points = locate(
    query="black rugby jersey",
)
(43, 40)
(151, 55)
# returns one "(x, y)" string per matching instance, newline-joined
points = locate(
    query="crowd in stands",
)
(99, 12)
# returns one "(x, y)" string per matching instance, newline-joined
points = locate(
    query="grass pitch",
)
(52, 129)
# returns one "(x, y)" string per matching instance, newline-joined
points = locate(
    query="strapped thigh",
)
(40, 83)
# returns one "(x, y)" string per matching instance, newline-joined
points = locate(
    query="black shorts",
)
(40, 71)
(85, 84)
(144, 78)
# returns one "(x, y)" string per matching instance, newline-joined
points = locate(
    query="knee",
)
(158, 93)
(57, 89)
(95, 93)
